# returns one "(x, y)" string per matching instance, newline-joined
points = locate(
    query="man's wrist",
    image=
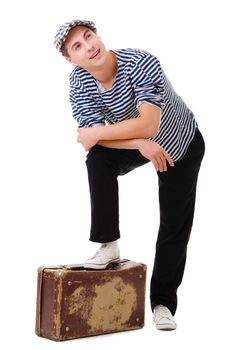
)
(99, 134)
(137, 142)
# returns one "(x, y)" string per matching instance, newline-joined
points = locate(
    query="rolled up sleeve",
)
(85, 109)
(147, 82)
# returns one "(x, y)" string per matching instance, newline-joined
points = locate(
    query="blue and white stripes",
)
(139, 79)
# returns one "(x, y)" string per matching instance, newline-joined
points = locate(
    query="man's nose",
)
(89, 46)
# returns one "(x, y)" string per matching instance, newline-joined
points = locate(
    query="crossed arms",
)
(130, 134)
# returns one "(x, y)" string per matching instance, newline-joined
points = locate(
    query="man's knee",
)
(100, 157)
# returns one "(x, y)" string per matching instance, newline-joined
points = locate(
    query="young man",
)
(129, 114)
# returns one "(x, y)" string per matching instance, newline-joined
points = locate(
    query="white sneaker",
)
(106, 254)
(163, 318)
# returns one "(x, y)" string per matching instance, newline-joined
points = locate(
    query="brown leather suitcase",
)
(73, 302)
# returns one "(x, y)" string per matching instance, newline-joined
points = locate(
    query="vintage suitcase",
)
(73, 302)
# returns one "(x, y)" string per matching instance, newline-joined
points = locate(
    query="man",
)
(129, 114)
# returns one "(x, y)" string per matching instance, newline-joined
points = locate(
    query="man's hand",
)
(155, 153)
(87, 137)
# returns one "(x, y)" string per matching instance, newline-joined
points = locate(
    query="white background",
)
(45, 213)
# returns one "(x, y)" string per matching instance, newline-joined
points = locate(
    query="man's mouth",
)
(95, 54)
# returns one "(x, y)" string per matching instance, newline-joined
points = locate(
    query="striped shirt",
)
(140, 79)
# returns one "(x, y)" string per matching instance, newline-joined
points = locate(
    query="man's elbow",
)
(151, 131)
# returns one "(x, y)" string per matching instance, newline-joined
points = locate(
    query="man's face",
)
(85, 48)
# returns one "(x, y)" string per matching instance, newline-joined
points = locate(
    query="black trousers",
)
(177, 192)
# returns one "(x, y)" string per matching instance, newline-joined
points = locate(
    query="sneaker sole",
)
(100, 266)
(166, 327)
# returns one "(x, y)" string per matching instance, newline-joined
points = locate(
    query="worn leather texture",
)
(73, 302)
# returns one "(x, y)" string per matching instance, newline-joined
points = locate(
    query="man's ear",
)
(69, 60)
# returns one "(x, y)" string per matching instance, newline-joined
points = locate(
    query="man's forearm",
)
(127, 129)
(120, 144)
(148, 149)
(145, 126)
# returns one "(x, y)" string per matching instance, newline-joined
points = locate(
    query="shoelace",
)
(162, 312)
(101, 251)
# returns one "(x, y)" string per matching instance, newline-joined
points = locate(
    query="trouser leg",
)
(177, 191)
(104, 165)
